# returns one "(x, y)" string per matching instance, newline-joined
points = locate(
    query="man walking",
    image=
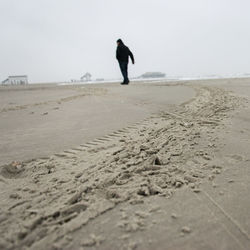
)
(122, 54)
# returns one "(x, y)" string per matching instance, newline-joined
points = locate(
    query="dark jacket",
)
(123, 52)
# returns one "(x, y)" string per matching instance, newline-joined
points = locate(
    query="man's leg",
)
(124, 70)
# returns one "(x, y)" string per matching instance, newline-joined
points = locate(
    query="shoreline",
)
(133, 80)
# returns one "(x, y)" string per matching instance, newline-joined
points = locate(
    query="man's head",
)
(119, 41)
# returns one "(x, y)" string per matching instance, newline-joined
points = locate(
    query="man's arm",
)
(117, 54)
(131, 56)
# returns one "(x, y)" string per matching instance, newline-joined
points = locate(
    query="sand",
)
(149, 165)
(52, 118)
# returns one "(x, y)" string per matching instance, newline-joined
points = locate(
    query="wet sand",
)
(41, 120)
(145, 166)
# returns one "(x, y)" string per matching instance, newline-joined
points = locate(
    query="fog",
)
(59, 40)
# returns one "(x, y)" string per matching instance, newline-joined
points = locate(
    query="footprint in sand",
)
(235, 158)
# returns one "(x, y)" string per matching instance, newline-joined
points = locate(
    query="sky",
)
(60, 40)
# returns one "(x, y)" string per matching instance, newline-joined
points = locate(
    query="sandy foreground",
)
(145, 166)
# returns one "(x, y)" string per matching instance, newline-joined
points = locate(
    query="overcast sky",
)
(57, 40)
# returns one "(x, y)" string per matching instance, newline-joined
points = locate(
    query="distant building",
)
(86, 77)
(99, 79)
(16, 80)
(153, 75)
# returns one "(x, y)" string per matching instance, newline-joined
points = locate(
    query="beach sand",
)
(146, 166)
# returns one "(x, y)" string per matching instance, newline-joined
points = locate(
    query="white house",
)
(16, 80)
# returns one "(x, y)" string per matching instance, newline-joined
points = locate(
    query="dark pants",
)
(124, 70)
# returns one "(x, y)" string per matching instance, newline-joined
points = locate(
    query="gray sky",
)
(54, 40)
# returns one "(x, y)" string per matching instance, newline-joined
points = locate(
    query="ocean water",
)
(165, 79)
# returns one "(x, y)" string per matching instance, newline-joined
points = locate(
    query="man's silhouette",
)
(122, 54)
